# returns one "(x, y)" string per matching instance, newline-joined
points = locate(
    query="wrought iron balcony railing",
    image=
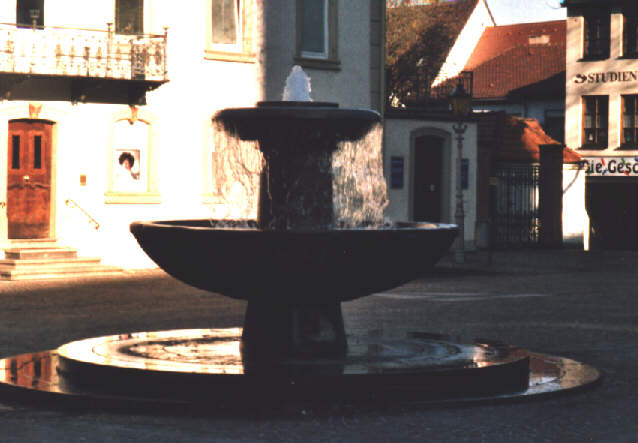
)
(416, 90)
(57, 51)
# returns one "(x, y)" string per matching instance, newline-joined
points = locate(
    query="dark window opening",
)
(630, 33)
(595, 116)
(29, 10)
(629, 120)
(15, 152)
(555, 125)
(313, 27)
(129, 16)
(597, 36)
(37, 152)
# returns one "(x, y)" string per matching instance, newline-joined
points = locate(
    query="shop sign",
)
(612, 166)
(606, 77)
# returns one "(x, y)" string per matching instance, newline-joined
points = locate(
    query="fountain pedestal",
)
(276, 331)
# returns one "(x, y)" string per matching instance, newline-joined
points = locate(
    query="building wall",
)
(607, 77)
(349, 83)
(179, 114)
(399, 136)
(576, 88)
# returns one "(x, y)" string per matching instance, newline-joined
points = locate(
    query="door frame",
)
(446, 161)
(11, 115)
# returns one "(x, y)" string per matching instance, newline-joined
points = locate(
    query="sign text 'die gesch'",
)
(612, 166)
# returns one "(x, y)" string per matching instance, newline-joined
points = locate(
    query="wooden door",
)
(426, 191)
(29, 179)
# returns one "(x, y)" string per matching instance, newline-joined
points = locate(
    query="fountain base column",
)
(293, 331)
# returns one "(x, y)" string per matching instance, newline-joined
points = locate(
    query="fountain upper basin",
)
(293, 120)
(293, 267)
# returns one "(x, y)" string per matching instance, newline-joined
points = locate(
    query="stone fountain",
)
(294, 266)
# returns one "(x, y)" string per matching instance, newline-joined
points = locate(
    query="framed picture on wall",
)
(132, 168)
(127, 167)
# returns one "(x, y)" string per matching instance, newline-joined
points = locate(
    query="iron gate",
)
(516, 206)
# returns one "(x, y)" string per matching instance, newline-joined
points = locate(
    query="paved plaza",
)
(563, 302)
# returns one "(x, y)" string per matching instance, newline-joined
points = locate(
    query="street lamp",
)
(461, 104)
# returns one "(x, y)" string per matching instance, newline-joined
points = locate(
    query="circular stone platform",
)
(204, 370)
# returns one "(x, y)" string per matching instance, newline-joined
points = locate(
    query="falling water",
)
(359, 188)
(237, 165)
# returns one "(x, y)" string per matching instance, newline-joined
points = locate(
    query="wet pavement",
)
(563, 302)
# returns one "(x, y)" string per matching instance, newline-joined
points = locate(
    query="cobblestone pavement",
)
(564, 302)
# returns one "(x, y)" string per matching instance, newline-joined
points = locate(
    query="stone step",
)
(55, 272)
(44, 259)
(51, 262)
(29, 243)
(32, 253)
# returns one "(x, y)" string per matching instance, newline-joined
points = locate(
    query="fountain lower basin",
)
(203, 372)
(293, 267)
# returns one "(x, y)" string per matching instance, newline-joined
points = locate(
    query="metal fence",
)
(516, 204)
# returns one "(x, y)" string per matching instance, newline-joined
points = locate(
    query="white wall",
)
(574, 214)
(399, 136)
(180, 112)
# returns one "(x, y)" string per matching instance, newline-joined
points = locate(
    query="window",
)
(132, 166)
(595, 115)
(596, 36)
(317, 34)
(226, 26)
(314, 28)
(629, 120)
(29, 10)
(15, 154)
(229, 30)
(630, 33)
(129, 16)
(37, 152)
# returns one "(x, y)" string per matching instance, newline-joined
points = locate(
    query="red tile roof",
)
(507, 59)
(522, 138)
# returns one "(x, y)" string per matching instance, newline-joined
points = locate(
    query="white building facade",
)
(106, 110)
(601, 119)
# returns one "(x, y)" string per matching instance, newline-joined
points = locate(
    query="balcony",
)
(80, 65)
